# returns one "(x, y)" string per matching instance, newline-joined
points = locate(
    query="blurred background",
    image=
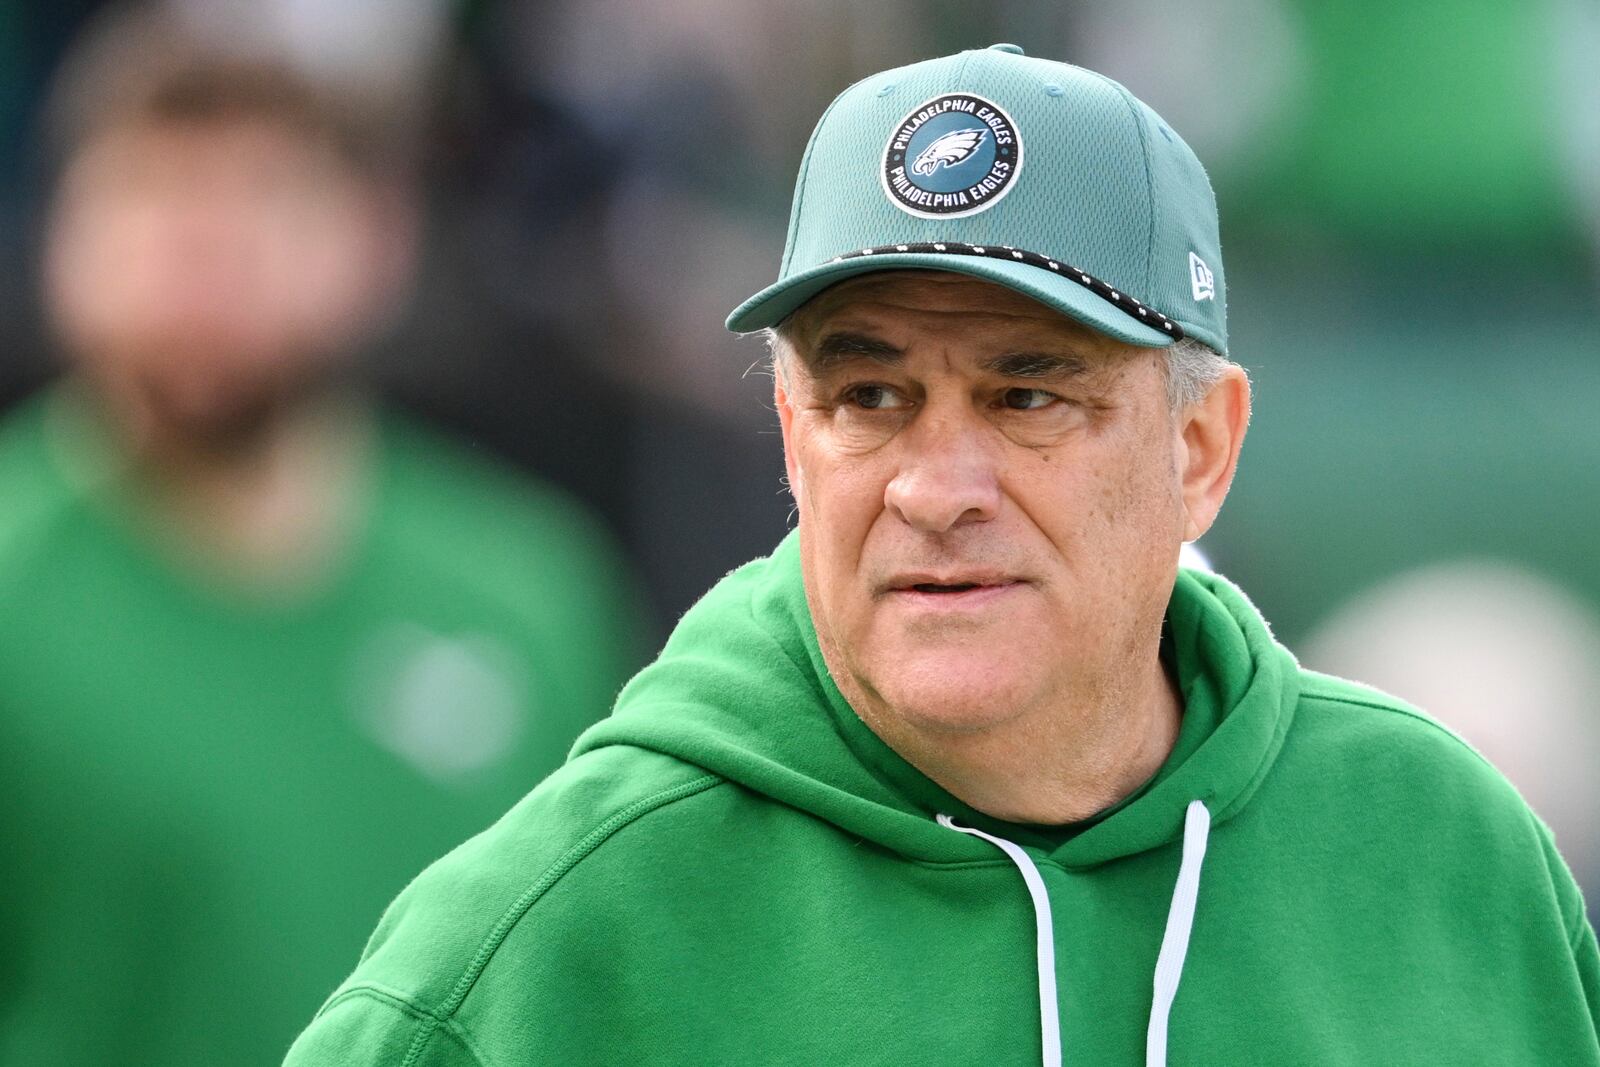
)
(555, 204)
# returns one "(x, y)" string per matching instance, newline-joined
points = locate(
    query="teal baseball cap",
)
(1037, 175)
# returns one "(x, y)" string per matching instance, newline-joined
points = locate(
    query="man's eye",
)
(875, 397)
(1027, 399)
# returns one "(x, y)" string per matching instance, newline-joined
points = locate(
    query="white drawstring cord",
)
(1174, 943)
(1044, 930)
(1180, 920)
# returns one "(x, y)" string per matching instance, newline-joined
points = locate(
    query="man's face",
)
(990, 500)
(206, 268)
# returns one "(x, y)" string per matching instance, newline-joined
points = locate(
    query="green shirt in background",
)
(207, 797)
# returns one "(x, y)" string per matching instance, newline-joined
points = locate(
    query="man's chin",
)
(958, 692)
(215, 414)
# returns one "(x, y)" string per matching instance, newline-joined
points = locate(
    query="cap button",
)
(1014, 49)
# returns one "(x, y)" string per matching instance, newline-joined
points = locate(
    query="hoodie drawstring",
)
(1044, 930)
(1174, 943)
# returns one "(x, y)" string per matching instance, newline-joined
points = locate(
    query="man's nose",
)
(947, 475)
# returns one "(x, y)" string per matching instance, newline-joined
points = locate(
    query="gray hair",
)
(1192, 367)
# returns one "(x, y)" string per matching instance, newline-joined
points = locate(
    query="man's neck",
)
(1056, 765)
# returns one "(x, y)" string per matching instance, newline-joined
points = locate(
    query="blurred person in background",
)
(265, 649)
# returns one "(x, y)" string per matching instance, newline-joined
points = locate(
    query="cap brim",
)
(774, 303)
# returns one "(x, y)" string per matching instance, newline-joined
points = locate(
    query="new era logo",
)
(1200, 279)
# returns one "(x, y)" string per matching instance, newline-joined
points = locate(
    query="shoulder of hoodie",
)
(1436, 773)
(1350, 714)
(1348, 725)
(448, 926)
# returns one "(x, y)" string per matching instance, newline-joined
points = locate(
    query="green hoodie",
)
(733, 869)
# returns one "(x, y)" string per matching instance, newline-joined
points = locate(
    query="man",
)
(265, 648)
(968, 771)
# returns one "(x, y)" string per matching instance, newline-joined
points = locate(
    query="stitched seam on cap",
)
(1149, 180)
(961, 72)
(1150, 187)
(805, 183)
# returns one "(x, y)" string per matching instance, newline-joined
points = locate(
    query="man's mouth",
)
(957, 587)
(954, 587)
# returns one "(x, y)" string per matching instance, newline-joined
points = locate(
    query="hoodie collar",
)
(741, 689)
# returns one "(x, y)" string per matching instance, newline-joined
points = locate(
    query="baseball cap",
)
(1037, 175)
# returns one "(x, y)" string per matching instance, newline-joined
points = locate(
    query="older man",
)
(968, 770)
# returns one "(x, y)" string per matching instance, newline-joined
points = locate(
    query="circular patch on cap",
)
(954, 155)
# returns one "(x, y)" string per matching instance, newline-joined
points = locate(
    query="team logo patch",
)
(955, 155)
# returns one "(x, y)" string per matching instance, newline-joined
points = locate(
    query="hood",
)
(741, 690)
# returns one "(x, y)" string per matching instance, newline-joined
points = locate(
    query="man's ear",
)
(1210, 433)
(780, 400)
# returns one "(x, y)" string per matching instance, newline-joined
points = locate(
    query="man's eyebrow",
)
(1044, 365)
(838, 348)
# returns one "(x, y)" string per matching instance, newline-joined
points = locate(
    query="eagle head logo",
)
(948, 150)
